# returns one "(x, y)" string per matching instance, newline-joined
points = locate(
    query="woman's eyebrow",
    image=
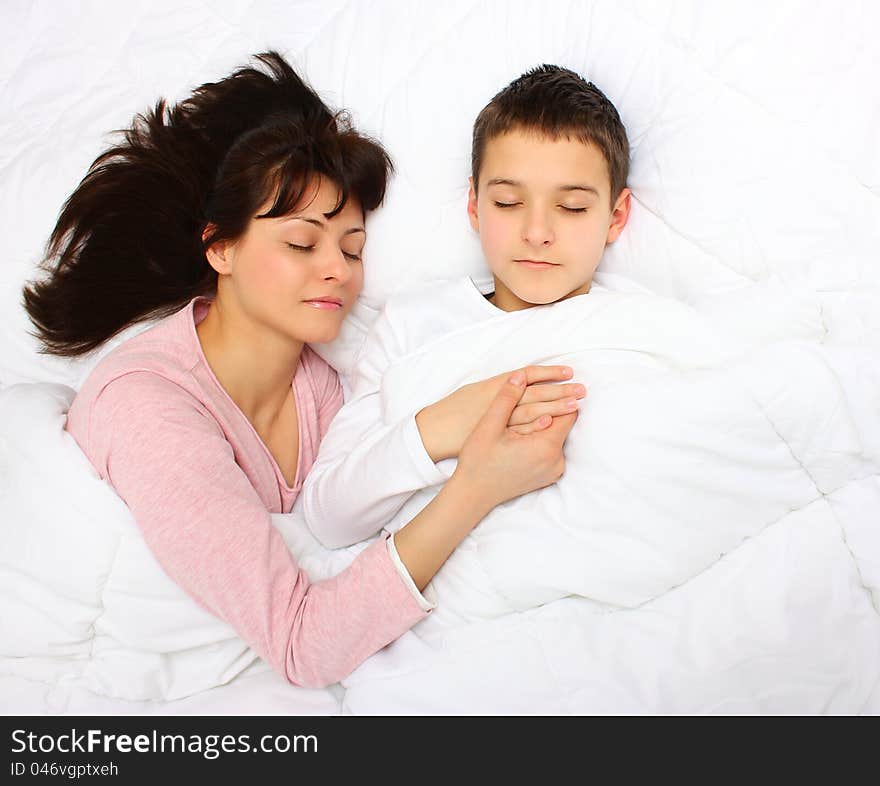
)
(323, 225)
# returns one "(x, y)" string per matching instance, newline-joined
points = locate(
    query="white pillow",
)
(736, 177)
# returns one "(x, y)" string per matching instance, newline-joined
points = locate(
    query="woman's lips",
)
(535, 264)
(325, 304)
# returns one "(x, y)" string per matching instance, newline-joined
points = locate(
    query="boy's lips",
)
(535, 264)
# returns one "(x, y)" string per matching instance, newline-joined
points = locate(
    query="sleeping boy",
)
(671, 467)
(547, 194)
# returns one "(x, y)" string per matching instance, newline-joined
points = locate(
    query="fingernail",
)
(517, 380)
(580, 390)
(567, 372)
(571, 403)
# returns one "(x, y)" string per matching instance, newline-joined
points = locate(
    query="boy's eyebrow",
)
(504, 181)
(579, 187)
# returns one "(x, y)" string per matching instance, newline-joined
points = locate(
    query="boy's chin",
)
(541, 296)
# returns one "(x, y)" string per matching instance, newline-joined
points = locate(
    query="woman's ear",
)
(472, 206)
(217, 253)
(619, 216)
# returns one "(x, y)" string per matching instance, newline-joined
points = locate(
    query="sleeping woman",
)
(236, 218)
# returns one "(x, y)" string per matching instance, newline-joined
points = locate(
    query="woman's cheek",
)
(355, 284)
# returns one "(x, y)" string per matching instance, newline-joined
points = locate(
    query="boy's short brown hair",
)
(555, 102)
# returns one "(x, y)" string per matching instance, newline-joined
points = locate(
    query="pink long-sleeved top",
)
(201, 484)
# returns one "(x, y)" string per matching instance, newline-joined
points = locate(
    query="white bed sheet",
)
(259, 694)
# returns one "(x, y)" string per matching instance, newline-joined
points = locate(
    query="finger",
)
(498, 414)
(536, 425)
(547, 373)
(560, 427)
(544, 392)
(527, 413)
(549, 391)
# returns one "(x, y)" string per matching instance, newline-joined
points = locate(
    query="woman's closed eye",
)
(504, 204)
(350, 256)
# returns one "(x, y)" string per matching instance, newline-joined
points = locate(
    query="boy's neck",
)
(507, 300)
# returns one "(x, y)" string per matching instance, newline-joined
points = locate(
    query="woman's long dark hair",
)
(128, 244)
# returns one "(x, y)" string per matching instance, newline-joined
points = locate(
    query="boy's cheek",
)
(496, 235)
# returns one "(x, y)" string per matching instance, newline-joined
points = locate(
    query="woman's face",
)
(299, 274)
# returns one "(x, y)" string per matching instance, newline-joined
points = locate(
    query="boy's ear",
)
(217, 254)
(619, 216)
(472, 206)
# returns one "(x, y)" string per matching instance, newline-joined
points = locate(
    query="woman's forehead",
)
(319, 200)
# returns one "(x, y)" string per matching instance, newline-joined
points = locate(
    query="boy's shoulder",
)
(424, 294)
(429, 309)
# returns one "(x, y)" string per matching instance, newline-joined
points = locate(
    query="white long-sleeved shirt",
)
(367, 469)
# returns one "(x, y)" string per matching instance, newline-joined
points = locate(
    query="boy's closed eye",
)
(566, 208)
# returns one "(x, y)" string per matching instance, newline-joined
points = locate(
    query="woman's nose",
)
(335, 266)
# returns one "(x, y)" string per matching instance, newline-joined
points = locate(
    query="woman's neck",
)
(253, 363)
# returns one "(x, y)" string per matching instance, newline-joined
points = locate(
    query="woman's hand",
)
(445, 425)
(498, 462)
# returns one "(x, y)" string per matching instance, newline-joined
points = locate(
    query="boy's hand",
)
(445, 425)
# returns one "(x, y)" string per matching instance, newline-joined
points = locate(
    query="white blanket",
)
(696, 447)
(713, 545)
(678, 456)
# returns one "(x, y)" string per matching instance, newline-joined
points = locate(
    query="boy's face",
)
(543, 213)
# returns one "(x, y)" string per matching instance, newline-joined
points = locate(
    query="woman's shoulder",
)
(154, 366)
(137, 406)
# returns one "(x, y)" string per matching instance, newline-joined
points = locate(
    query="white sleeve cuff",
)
(430, 472)
(424, 603)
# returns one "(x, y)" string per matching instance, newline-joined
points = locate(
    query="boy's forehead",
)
(528, 158)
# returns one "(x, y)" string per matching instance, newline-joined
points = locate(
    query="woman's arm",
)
(213, 535)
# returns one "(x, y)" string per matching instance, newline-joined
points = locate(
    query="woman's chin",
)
(319, 336)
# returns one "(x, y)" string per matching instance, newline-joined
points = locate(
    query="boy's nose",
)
(537, 231)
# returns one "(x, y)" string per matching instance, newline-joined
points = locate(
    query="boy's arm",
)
(365, 469)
